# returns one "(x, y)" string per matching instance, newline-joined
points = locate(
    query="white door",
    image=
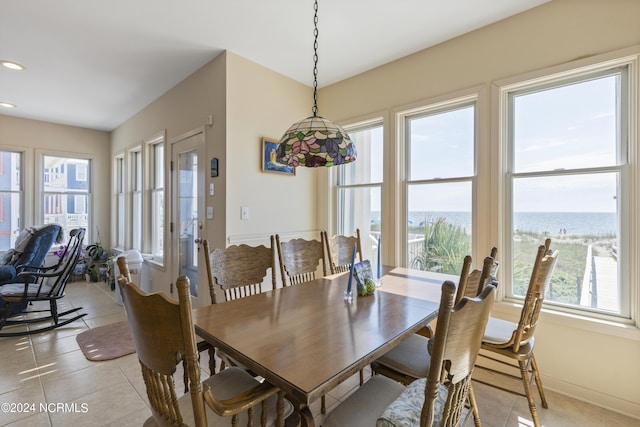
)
(187, 206)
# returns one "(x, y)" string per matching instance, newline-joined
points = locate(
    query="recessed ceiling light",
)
(12, 65)
(7, 105)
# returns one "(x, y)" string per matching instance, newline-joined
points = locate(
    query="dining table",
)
(306, 339)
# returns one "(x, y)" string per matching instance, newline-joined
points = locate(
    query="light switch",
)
(244, 213)
(212, 189)
(209, 212)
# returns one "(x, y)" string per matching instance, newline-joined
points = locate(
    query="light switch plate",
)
(244, 213)
(209, 212)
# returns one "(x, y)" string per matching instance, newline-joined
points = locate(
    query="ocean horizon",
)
(571, 223)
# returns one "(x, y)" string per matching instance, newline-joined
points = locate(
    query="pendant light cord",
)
(315, 59)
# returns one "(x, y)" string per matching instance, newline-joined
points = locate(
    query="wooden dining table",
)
(306, 339)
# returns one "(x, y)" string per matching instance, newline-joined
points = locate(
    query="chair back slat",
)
(162, 331)
(239, 270)
(60, 276)
(540, 278)
(478, 279)
(300, 259)
(457, 342)
(339, 250)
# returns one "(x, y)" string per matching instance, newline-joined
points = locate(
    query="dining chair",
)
(514, 342)
(406, 362)
(164, 335)
(439, 398)
(237, 271)
(299, 260)
(340, 250)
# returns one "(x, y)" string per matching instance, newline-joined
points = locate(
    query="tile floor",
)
(49, 368)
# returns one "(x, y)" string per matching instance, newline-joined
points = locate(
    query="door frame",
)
(200, 146)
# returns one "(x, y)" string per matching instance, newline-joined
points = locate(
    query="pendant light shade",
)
(315, 141)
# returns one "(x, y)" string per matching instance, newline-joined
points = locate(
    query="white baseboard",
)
(593, 397)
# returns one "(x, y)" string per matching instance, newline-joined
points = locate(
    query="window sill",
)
(511, 311)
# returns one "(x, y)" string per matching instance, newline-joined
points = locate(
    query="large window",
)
(119, 201)
(136, 199)
(568, 179)
(359, 188)
(157, 200)
(67, 191)
(440, 168)
(11, 198)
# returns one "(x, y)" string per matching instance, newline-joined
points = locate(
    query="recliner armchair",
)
(32, 247)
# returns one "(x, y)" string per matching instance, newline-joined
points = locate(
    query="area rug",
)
(106, 342)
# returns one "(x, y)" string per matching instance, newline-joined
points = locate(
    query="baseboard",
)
(593, 397)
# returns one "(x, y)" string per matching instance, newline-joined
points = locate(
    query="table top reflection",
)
(306, 339)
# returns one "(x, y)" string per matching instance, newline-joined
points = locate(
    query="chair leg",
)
(323, 405)
(536, 375)
(474, 406)
(524, 372)
(361, 377)
(212, 360)
(54, 310)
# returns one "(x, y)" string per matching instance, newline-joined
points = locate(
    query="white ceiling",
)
(95, 63)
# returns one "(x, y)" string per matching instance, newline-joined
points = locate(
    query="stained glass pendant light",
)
(315, 141)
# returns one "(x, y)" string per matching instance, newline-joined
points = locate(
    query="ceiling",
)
(95, 63)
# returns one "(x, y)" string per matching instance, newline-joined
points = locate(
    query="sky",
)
(567, 127)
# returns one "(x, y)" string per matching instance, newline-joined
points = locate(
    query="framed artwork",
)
(269, 163)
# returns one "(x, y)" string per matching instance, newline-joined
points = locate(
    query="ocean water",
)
(570, 223)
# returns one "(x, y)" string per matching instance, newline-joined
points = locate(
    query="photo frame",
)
(268, 158)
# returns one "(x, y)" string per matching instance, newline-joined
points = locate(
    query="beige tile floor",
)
(49, 368)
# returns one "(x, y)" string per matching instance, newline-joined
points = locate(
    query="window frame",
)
(135, 190)
(119, 222)
(431, 107)
(558, 76)
(39, 201)
(155, 188)
(20, 192)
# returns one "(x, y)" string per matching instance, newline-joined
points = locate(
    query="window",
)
(11, 198)
(359, 188)
(157, 200)
(136, 199)
(119, 202)
(66, 198)
(567, 177)
(81, 173)
(440, 169)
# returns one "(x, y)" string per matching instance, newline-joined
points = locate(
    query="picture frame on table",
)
(268, 157)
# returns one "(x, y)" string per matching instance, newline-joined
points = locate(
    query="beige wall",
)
(247, 102)
(181, 110)
(33, 137)
(262, 103)
(577, 357)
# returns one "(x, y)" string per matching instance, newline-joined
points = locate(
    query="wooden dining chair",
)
(164, 335)
(239, 270)
(439, 399)
(339, 250)
(406, 362)
(514, 342)
(299, 260)
(236, 271)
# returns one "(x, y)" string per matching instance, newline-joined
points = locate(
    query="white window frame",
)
(20, 192)
(119, 222)
(629, 270)
(136, 196)
(156, 189)
(435, 106)
(41, 178)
